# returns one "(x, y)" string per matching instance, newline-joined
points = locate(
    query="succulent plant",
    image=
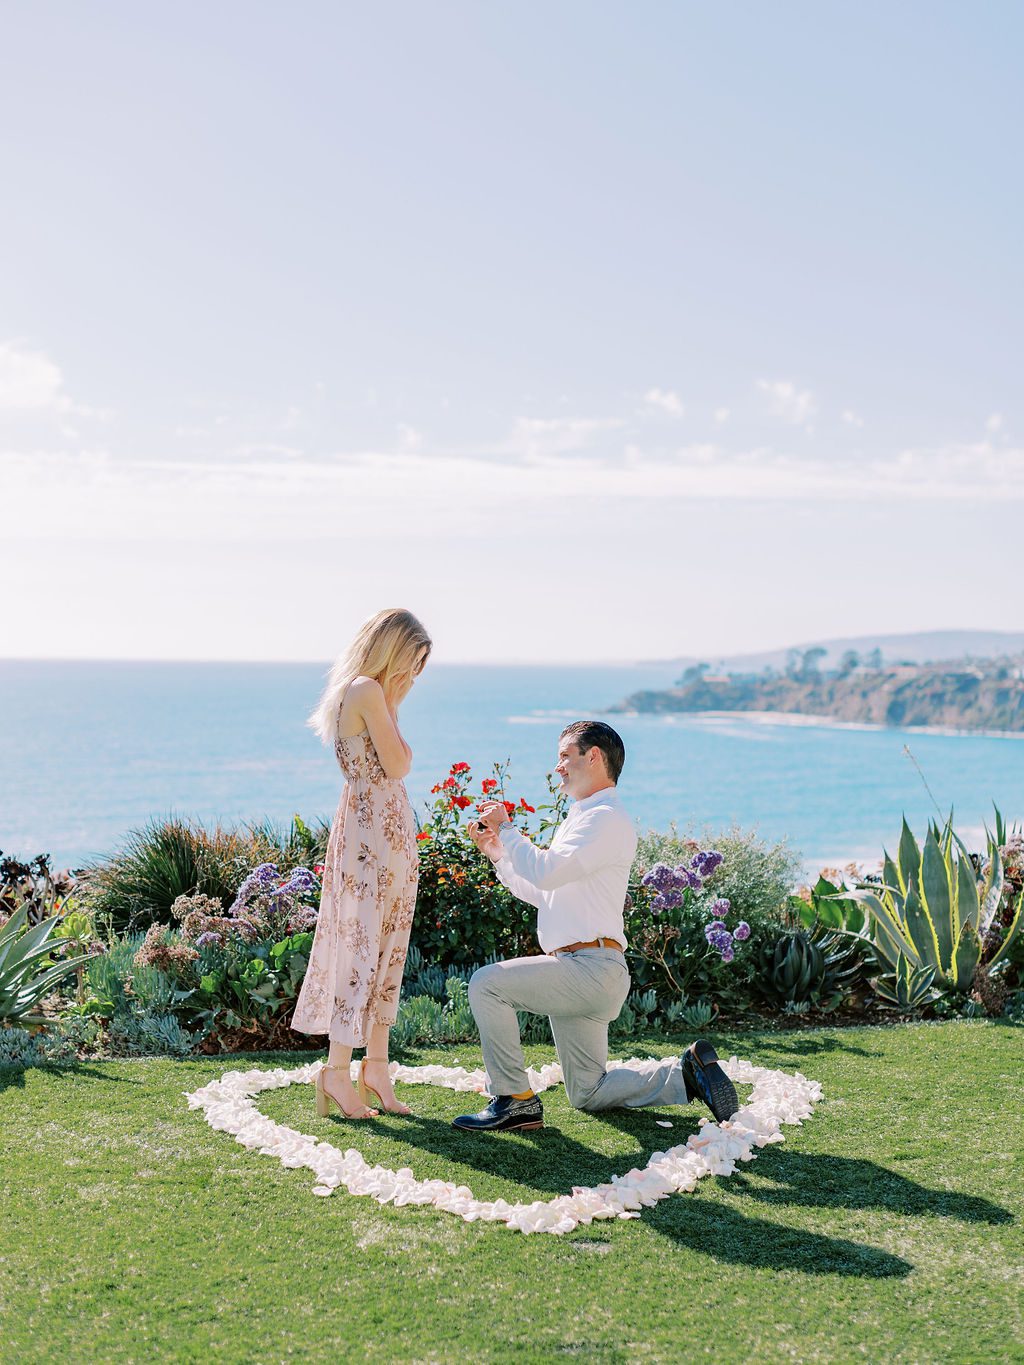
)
(931, 914)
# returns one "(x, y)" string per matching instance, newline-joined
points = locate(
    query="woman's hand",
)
(379, 718)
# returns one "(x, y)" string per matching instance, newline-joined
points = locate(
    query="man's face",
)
(572, 767)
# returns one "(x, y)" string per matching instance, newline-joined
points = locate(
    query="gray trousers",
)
(581, 993)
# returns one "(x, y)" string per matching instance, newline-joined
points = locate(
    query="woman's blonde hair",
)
(386, 647)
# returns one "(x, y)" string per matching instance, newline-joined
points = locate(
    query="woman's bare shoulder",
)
(365, 689)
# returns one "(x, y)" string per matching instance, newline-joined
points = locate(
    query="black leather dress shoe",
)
(705, 1080)
(503, 1113)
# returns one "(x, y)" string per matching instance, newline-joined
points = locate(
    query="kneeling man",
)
(579, 887)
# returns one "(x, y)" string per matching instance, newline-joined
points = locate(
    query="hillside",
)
(916, 647)
(983, 697)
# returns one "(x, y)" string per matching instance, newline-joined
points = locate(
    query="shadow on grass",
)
(847, 1183)
(546, 1159)
(725, 1235)
(15, 1076)
(801, 1045)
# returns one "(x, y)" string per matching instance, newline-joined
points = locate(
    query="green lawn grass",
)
(888, 1227)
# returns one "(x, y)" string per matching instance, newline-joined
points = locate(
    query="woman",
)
(354, 977)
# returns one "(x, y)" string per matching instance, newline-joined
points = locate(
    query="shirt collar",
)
(603, 797)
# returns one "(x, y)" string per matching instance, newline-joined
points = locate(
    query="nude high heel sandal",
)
(366, 1090)
(324, 1100)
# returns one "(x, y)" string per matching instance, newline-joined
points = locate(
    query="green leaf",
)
(884, 919)
(909, 858)
(891, 874)
(937, 901)
(968, 954)
(919, 928)
(13, 927)
(1012, 931)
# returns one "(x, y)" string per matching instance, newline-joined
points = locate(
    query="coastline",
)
(803, 718)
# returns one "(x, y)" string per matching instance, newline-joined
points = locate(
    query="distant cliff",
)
(982, 697)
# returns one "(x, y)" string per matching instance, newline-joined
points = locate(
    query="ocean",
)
(91, 750)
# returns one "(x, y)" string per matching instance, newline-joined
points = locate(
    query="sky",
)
(586, 332)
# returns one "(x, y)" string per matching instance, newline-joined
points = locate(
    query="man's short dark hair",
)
(591, 734)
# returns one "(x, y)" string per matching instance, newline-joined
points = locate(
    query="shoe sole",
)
(499, 1128)
(724, 1100)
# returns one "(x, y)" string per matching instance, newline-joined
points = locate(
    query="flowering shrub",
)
(276, 903)
(668, 906)
(463, 913)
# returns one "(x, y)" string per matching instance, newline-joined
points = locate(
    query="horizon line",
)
(326, 663)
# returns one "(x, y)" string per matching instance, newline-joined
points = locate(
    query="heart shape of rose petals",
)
(777, 1098)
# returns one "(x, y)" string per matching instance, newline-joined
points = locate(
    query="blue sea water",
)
(91, 750)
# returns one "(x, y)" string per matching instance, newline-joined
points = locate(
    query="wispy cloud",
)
(93, 495)
(851, 418)
(30, 381)
(787, 401)
(535, 437)
(667, 400)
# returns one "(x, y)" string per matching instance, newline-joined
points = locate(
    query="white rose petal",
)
(776, 1099)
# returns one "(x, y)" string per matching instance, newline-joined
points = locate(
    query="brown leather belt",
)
(593, 943)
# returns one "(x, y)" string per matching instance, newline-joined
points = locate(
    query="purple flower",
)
(260, 881)
(706, 862)
(673, 899)
(718, 938)
(659, 903)
(301, 879)
(721, 907)
(209, 940)
(742, 931)
(660, 877)
(727, 954)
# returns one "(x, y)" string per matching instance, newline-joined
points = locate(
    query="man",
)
(579, 887)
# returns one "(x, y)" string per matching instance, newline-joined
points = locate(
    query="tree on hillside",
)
(693, 674)
(874, 659)
(849, 661)
(811, 659)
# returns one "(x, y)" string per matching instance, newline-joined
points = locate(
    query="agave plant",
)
(931, 914)
(26, 975)
(792, 967)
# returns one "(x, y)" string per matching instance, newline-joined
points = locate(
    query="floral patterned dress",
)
(366, 906)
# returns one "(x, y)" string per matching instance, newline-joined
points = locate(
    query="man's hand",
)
(493, 815)
(486, 840)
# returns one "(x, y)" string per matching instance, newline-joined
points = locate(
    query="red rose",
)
(461, 801)
(524, 806)
(488, 785)
(509, 807)
(435, 789)
(450, 782)
(422, 835)
(460, 767)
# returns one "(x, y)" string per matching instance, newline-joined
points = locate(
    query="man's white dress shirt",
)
(579, 884)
